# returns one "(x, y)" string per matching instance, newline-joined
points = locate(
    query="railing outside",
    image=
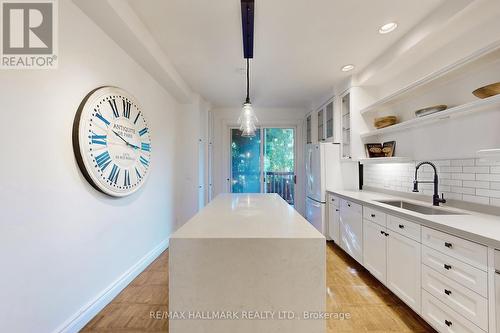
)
(282, 183)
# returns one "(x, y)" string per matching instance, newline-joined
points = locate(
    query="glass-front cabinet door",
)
(321, 125)
(309, 129)
(346, 126)
(329, 115)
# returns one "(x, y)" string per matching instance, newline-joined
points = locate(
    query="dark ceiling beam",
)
(247, 20)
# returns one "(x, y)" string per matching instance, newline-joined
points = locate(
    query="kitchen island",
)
(247, 263)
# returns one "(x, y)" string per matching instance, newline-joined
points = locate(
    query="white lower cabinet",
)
(375, 250)
(444, 278)
(444, 319)
(403, 269)
(333, 222)
(471, 305)
(351, 229)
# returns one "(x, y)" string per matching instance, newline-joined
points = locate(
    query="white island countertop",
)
(478, 227)
(247, 216)
(247, 253)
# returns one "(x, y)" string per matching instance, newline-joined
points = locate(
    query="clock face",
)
(112, 141)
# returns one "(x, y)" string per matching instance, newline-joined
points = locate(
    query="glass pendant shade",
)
(247, 120)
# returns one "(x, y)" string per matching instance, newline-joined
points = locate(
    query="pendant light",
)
(248, 120)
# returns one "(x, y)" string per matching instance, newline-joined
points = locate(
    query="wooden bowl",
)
(487, 91)
(385, 121)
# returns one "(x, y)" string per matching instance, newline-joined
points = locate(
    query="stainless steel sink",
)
(426, 210)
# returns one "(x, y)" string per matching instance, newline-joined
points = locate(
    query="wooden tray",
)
(487, 91)
(385, 121)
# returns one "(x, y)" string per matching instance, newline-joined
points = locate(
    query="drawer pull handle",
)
(401, 226)
(448, 323)
(373, 215)
(447, 292)
(448, 267)
(448, 245)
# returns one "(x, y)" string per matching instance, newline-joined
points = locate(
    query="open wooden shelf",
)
(433, 78)
(474, 106)
(379, 160)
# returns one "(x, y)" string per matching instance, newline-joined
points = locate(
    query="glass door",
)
(245, 162)
(279, 162)
(264, 163)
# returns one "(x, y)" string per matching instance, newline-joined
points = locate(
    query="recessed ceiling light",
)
(347, 68)
(388, 27)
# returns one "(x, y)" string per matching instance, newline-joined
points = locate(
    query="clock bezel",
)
(80, 136)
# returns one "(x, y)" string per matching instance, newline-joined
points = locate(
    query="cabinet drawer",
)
(351, 206)
(334, 200)
(459, 248)
(444, 319)
(468, 276)
(373, 215)
(404, 227)
(462, 300)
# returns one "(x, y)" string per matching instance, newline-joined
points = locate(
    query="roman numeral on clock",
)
(113, 175)
(144, 161)
(98, 139)
(126, 179)
(145, 146)
(126, 109)
(138, 173)
(103, 160)
(112, 103)
(104, 120)
(137, 117)
(143, 131)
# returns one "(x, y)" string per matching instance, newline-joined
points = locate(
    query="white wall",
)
(225, 117)
(62, 243)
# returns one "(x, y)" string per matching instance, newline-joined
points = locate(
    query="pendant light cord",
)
(248, 81)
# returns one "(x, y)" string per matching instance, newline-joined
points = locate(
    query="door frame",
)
(299, 127)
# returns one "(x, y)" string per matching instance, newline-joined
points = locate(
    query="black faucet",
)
(435, 198)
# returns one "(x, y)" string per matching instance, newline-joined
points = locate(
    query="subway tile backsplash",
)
(471, 180)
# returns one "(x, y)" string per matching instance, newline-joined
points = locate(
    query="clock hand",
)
(128, 144)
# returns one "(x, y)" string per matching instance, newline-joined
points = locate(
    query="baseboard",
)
(76, 322)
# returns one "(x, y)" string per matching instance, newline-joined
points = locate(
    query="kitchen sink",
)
(426, 210)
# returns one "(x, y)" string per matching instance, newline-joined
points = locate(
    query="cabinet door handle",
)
(401, 226)
(448, 267)
(447, 292)
(448, 245)
(373, 215)
(448, 323)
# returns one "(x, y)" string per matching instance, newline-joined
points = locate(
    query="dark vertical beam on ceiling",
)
(247, 20)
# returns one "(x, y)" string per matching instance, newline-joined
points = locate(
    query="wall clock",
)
(112, 142)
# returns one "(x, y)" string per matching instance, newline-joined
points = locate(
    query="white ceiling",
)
(300, 45)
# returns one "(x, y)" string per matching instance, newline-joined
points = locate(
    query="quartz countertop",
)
(475, 226)
(247, 216)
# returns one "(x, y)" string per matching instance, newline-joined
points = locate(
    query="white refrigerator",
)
(325, 171)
